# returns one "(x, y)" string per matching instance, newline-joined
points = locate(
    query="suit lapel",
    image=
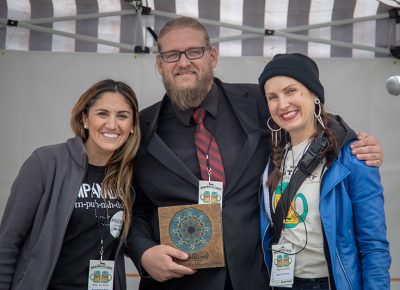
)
(165, 156)
(160, 151)
(244, 109)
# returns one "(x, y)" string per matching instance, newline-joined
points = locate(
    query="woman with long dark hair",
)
(69, 211)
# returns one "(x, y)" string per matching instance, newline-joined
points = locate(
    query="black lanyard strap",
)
(307, 164)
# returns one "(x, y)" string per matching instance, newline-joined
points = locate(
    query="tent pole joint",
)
(269, 32)
(11, 22)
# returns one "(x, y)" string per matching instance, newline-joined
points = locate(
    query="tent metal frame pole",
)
(81, 16)
(252, 32)
(343, 44)
(290, 29)
(283, 33)
(332, 42)
(203, 20)
(71, 35)
(141, 34)
(336, 23)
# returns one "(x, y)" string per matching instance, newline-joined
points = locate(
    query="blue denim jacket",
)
(353, 219)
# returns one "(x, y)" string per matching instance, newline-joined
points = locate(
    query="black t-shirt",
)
(88, 222)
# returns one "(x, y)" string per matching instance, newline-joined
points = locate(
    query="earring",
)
(84, 126)
(318, 116)
(275, 133)
(132, 131)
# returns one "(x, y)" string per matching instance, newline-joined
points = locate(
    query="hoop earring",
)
(318, 116)
(275, 133)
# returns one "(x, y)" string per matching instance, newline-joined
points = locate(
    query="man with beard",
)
(167, 170)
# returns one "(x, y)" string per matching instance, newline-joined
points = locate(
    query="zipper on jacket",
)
(341, 265)
(266, 229)
(262, 246)
(327, 242)
(22, 274)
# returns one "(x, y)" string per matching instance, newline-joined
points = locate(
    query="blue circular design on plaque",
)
(190, 230)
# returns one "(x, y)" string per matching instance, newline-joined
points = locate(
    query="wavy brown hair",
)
(119, 169)
(277, 154)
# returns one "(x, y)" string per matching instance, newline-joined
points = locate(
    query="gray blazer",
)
(37, 214)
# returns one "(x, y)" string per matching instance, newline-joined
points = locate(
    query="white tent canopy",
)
(319, 28)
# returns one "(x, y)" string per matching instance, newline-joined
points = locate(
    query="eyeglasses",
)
(191, 54)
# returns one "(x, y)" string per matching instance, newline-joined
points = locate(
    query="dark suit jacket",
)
(162, 179)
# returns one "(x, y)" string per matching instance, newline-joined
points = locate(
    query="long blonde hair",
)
(119, 169)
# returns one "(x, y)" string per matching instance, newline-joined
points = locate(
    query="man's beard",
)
(188, 98)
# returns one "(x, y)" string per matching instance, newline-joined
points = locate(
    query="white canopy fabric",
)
(319, 28)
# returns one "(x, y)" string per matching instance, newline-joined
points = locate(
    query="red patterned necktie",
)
(207, 148)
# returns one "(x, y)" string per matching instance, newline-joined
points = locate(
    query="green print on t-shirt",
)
(294, 217)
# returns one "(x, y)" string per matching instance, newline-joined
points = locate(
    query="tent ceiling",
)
(319, 28)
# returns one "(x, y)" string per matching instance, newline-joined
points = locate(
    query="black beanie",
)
(297, 66)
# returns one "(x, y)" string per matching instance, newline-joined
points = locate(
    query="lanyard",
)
(102, 221)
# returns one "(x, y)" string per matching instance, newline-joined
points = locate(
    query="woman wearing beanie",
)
(322, 214)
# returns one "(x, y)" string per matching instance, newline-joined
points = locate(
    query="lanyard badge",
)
(101, 275)
(210, 192)
(101, 272)
(283, 262)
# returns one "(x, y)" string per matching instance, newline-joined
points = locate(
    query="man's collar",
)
(210, 104)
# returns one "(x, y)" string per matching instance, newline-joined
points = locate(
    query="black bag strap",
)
(311, 158)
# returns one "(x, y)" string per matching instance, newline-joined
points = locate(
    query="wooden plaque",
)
(195, 229)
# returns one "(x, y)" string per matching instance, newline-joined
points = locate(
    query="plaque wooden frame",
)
(185, 227)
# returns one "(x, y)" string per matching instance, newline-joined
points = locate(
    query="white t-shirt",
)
(305, 217)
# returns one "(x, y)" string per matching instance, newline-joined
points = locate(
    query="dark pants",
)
(228, 285)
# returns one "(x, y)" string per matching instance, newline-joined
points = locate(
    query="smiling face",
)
(109, 122)
(187, 82)
(291, 106)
